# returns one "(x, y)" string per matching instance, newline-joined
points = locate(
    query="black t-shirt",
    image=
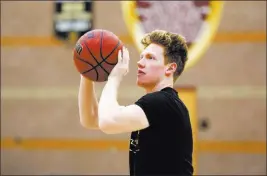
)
(165, 147)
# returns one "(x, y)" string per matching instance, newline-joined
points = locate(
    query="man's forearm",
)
(108, 103)
(113, 118)
(88, 105)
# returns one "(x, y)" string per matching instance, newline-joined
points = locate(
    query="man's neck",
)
(159, 87)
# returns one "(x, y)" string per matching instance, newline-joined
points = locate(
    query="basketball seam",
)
(98, 64)
(101, 55)
(103, 59)
(83, 60)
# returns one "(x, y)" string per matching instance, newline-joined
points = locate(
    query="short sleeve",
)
(152, 105)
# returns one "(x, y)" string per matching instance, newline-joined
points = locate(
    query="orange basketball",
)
(96, 54)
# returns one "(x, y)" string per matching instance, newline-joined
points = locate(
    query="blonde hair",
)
(175, 48)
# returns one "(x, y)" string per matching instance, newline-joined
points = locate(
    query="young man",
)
(161, 136)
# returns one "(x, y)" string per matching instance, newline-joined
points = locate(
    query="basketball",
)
(96, 53)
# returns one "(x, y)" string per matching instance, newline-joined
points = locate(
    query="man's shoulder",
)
(154, 97)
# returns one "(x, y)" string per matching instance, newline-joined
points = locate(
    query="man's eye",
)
(149, 57)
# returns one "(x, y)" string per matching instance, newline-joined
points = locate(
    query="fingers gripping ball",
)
(96, 54)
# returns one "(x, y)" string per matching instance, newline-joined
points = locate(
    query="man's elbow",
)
(85, 124)
(88, 124)
(106, 127)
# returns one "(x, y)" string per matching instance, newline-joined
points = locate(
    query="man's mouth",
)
(140, 72)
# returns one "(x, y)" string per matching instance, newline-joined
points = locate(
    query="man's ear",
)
(171, 68)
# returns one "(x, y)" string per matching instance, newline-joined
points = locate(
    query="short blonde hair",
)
(175, 48)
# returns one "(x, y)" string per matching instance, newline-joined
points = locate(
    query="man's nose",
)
(140, 63)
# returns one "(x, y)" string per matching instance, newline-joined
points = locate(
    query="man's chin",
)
(140, 83)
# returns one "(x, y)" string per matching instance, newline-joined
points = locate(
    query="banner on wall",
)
(197, 21)
(71, 19)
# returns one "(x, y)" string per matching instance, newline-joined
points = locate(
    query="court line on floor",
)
(255, 147)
